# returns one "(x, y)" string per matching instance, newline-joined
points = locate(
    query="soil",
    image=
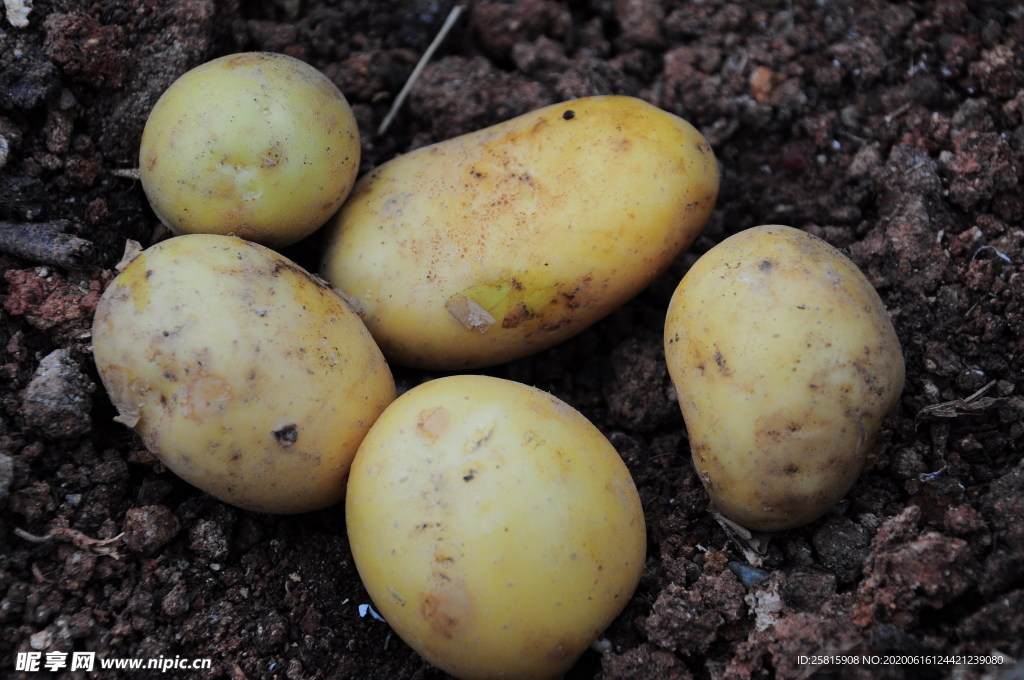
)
(891, 130)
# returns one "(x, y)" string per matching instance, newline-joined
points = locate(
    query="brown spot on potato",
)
(516, 316)
(720, 360)
(448, 610)
(433, 422)
(556, 326)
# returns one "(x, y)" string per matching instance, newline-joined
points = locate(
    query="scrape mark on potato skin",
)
(207, 396)
(135, 279)
(433, 422)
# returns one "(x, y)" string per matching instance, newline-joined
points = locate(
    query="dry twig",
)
(754, 544)
(951, 409)
(448, 23)
(97, 546)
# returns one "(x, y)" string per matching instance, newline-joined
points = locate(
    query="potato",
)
(248, 377)
(785, 363)
(506, 241)
(494, 527)
(260, 145)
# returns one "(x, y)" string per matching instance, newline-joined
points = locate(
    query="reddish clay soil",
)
(892, 130)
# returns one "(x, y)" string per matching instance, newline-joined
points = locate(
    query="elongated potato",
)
(786, 364)
(246, 376)
(506, 241)
(496, 529)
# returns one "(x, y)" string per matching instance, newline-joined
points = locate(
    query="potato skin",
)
(548, 222)
(496, 529)
(260, 145)
(785, 362)
(247, 377)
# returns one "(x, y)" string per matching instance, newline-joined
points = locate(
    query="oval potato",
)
(506, 241)
(785, 363)
(496, 529)
(260, 145)
(246, 376)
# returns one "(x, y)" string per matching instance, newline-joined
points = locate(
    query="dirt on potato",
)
(891, 130)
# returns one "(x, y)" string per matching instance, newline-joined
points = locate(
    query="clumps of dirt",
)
(645, 662)
(892, 130)
(903, 249)
(458, 95)
(85, 48)
(689, 620)
(27, 77)
(49, 298)
(908, 570)
(641, 397)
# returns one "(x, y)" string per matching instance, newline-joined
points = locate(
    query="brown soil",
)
(891, 130)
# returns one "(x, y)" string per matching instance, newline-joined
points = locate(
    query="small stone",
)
(842, 544)
(149, 528)
(40, 640)
(18, 11)
(761, 84)
(58, 400)
(28, 81)
(208, 540)
(33, 501)
(176, 602)
(6, 477)
(907, 464)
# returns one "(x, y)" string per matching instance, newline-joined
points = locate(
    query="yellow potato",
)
(257, 144)
(495, 528)
(248, 377)
(785, 363)
(506, 241)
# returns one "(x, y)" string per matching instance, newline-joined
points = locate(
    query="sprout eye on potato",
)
(260, 145)
(246, 376)
(497, 530)
(785, 362)
(509, 240)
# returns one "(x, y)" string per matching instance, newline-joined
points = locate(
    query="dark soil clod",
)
(894, 130)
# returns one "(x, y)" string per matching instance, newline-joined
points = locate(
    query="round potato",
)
(785, 363)
(260, 145)
(247, 377)
(506, 241)
(495, 528)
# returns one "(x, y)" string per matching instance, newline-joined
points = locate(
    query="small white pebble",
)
(17, 14)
